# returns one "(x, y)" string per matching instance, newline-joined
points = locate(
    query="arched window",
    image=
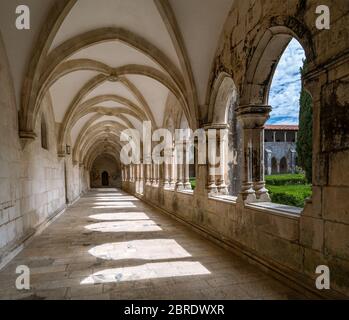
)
(285, 97)
(44, 137)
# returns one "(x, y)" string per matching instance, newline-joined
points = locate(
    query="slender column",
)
(132, 173)
(157, 169)
(247, 193)
(173, 171)
(141, 178)
(179, 161)
(153, 174)
(211, 165)
(253, 118)
(258, 165)
(166, 167)
(186, 166)
(222, 138)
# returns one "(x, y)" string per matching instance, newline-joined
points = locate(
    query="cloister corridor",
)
(110, 245)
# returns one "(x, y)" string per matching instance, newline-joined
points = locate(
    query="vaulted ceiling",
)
(112, 64)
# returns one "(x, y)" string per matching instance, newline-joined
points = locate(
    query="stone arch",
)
(223, 95)
(266, 55)
(221, 114)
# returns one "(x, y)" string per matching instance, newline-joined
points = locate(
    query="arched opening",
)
(283, 165)
(105, 179)
(44, 138)
(274, 166)
(105, 171)
(222, 114)
(286, 97)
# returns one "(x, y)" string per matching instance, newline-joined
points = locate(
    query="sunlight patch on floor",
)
(147, 271)
(120, 216)
(124, 226)
(153, 249)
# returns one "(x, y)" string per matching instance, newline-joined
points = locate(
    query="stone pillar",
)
(166, 175)
(222, 142)
(154, 182)
(186, 167)
(180, 165)
(258, 163)
(211, 167)
(268, 163)
(253, 118)
(173, 167)
(141, 178)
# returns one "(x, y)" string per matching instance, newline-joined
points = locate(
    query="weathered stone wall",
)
(102, 164)
(32, 179)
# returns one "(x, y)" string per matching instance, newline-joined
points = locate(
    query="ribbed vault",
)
(110, 65)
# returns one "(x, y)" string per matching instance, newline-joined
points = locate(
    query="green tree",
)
(305, 135)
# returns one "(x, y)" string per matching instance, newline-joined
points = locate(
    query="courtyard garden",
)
(288, 189)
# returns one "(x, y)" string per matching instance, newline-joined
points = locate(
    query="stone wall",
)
(279, 150)
(32, 179)
(105, 164)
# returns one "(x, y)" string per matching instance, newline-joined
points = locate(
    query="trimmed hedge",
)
(291, 195)
(286, 179)
(193, 183)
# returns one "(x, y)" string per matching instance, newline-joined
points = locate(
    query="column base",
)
(167, 185)
(187, 186)
(223, 190)
(247, 194)
(212, 189)
(262, 193)
(179, 186)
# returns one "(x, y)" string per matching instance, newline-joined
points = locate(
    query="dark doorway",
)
(283, 165)
(105, 179)
(274, 166)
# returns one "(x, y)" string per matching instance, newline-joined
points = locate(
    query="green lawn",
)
(290, 189)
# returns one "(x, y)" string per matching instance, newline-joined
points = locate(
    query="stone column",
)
(186, 166)
(268, 162)
(211, 167)
(179, 162)
(141, 178)
(222, 142)
(173, 167)
(166, 175)
(258, 163)
(153, 174)
(253, 118)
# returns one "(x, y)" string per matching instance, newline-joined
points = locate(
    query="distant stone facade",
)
(280, 149)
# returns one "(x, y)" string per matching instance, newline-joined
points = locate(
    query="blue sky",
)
(286, 86)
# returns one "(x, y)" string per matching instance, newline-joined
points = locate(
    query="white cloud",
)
(286, 86)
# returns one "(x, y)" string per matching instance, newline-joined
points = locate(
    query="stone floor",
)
(110, 245)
